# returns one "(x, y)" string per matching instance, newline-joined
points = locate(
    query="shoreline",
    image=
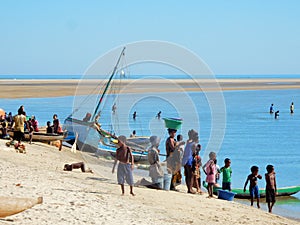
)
(77, 198)
(58, 88)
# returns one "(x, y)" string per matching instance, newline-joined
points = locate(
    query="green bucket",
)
(173, 123)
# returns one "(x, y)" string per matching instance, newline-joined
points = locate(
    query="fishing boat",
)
(92, 137)
(284, 191)
(12, 205)
(41, 137)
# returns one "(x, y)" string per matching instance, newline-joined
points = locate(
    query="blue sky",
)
(231, 36)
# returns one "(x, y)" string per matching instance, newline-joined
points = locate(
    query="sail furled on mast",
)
(108, 84)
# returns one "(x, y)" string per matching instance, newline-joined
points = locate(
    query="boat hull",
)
(41, 137)
(284, 191)
(89, 140)
(11, 205)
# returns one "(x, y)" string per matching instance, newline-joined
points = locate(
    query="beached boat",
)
(41, 137)
(12, 205)
(93, 138)
(284, 191)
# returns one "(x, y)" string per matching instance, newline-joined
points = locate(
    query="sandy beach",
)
(85, 198)
(56, 88)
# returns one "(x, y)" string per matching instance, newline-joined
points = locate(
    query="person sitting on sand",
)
(3, 127)
(30, 129)
(126, 164)
(253, 187)
(155, 170)
(271, 187)
(79, 165)
(49, 129)
(35, 124)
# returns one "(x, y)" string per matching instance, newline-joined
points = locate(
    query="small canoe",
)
(41, 137)
(284, 191)
(11, 205)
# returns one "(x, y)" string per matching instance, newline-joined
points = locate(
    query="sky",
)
(231, 36)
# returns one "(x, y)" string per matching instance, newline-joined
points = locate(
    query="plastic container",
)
(226, 195)
(167, 181)
(173, 123)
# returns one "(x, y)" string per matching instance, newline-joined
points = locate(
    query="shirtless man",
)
(126, 165)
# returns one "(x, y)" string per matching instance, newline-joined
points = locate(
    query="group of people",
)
(271, 188)
(186, 154)
(276, 113)
(20, 123)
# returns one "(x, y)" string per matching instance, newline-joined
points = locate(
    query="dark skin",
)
(132, 167)
(253, 182)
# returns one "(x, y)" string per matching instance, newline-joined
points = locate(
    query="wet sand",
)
(56, 88)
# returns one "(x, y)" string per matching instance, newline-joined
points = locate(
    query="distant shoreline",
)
(69, 87)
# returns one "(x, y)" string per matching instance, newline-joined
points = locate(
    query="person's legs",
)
(122, 189)
(131, 190)
(121, 176)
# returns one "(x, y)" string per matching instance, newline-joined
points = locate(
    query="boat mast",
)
(108, 83)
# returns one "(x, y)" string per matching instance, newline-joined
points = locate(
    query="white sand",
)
(85, 198)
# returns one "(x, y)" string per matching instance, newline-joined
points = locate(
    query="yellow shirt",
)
(19, 121)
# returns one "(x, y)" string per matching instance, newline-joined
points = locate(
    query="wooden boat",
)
(41, 137)
(92, 137)
(284, 191)
(11, 205)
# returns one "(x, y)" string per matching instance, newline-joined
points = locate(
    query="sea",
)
(250, 135)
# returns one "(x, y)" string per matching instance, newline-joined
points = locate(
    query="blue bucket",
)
(226, 195)
(167, 181)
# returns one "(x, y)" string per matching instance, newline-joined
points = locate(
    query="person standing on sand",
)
(197, 164)
(292, 108)
(19, 122)
(126, 165)
(227, 171)
(155, 170)
(187, 160)
(271, 187)
(253, 187)
(170, 148)
(211, 171)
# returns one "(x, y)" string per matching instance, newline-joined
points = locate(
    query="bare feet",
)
(132, 193)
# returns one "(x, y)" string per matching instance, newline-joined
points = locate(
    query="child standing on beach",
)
(210, 170)
(126, 165)
(227, 171)
(253, 188)
(271, 188)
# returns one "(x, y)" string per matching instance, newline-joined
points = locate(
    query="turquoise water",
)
(252, 135)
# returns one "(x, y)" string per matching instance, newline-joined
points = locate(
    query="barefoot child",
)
(210, 170)
(126, 165)
(271, 189)
(253, 188)
(227, 171)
